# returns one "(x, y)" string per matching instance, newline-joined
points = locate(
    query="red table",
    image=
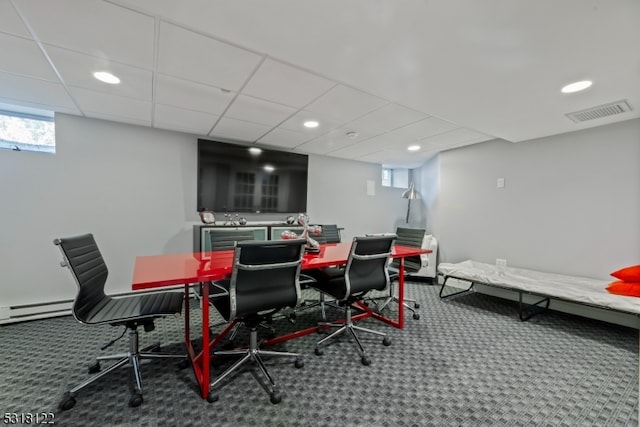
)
(159, 271)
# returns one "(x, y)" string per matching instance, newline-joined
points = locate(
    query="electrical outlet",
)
(500, 262)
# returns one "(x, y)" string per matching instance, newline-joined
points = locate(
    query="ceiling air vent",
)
(600, 111)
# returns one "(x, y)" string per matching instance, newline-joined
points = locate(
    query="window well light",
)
(577, 86)
(255, 151)
(311, 124)
(413, 148)
(106, 77)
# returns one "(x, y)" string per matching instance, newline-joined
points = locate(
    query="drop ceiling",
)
(378, 75)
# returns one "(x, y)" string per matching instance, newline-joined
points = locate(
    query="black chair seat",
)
(136, 307)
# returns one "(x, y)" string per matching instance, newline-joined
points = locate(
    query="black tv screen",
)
(237, 178)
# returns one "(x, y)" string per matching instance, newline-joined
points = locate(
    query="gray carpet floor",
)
(467, 361)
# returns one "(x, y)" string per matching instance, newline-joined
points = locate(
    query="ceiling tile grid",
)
(376, 85)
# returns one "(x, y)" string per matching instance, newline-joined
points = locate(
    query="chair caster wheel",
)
(212, 397)
(67, 402)
(135, 400)
(95, 368)
(299, 363)
(365, 361)
(386, 341)
(416, 316)
(184, 364)
(275, 397)
(416, 305)
(318, 351)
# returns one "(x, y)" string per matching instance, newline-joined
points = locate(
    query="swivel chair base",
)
(253, 354)
(349, 326)
(132, 357)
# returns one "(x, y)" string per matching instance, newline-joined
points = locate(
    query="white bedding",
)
(578, 289)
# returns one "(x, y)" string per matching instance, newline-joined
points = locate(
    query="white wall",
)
(571, 203)
(135, 189)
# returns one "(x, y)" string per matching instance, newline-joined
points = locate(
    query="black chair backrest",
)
(225, 239)
(82, 256)
(330, 234)
(410, 237)
(265, 276)
(367, 264)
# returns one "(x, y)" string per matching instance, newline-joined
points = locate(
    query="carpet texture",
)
(467, 361)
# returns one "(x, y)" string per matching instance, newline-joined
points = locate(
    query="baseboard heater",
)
(23, 313)
(44, 310)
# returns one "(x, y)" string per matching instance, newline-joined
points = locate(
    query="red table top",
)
(178, 269)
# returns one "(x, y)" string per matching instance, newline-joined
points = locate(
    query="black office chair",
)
(366, 270)
(224, 239)
(92, 306)
(265, 279)
(407, 237)
(330, 234)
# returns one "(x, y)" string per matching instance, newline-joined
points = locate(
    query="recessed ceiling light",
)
(352, 134)
(255, 150)
(311, 124)
(106, 77)
(269, 168)
(577, 86)
(413, 147)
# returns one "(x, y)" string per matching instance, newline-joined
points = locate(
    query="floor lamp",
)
(410, 194)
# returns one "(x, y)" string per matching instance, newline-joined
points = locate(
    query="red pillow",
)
(628, 274)
(631, 289)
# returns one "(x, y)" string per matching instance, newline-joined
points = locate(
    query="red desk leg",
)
(401, 295)
(206, 374)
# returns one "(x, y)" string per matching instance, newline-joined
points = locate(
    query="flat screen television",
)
(238, 178)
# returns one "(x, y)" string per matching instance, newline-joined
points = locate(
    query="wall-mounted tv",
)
(238, 178)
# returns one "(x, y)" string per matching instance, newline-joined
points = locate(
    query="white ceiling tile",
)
(192, 96)
(10, 21)
(296, 123)
(22, 56)
(258, 111)
(120, 119)
(277, 82)
(92, 102)
(97, 28)
(35, 90)
(455, 137)
(356, 150)
(283, 138)
(388, 141)
(387, 118)
(181, 120)
(238, 130)
(333, 140)
(76, 69)
(424, 128)
(344, 104)
(193, 56)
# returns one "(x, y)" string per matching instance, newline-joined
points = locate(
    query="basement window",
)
(396, 178)
(23, 131)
